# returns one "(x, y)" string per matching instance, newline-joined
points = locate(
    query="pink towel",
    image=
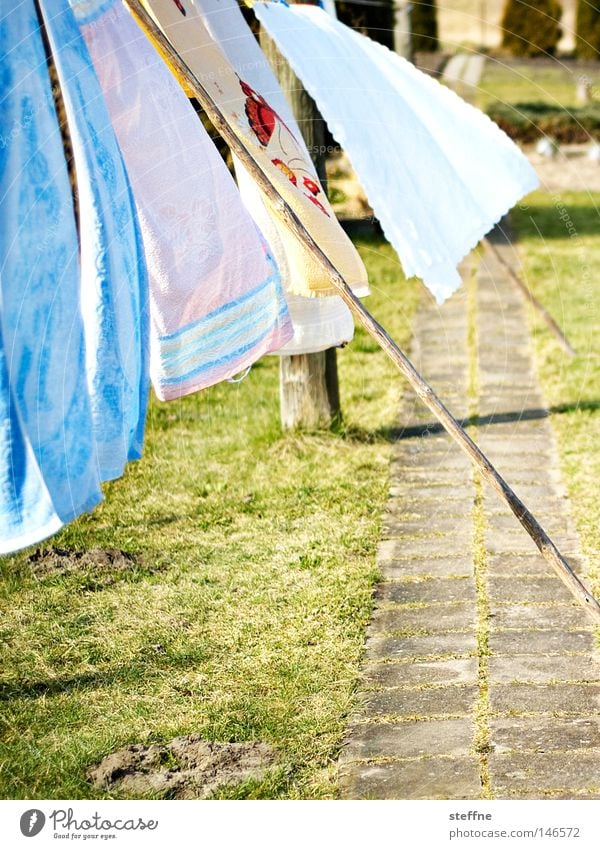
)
(216, 301)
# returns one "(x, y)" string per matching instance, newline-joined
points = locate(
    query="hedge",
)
(526, 122)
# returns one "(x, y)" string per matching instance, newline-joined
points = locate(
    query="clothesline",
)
(171, 277)
(489, 474)
(319, 323)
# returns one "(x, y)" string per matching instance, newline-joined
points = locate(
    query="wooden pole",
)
(308, 383)
(547, 548)
(303, 398)
(403, 42)
(524, 288)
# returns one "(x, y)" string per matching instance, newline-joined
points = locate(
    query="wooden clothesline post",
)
(309, 395)
(403, 41)
(547, 548)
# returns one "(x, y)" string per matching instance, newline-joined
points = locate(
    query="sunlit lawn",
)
(526, 82)
(243, 615)
(560, 245)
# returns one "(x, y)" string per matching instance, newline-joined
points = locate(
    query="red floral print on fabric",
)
(261, 117)
(263, 121)
(311, 186)
(318, 203)
(286, 170)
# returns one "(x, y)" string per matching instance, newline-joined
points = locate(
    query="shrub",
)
(531, 27)
(526, 122)
(587, 30)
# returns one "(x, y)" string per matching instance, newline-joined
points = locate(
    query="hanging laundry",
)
(27, 514)
(114, 287)
(319, 323)
(437, 172)
(329, 6)
(272, 143)
(48, 467)
(216, 301)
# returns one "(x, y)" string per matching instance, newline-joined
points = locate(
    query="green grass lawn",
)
(526, 82)
(559, 242)
(242, 616)
(528, 101)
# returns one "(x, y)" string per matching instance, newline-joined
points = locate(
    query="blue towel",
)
(114, 286)
(46, 417)
(26, 510)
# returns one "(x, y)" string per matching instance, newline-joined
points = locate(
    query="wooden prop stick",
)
(524, 288)
(422, 389)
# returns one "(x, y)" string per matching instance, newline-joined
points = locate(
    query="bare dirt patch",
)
(54, 562)
(185, 768)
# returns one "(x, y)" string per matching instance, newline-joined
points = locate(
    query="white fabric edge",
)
(452, 282)
(13, 544)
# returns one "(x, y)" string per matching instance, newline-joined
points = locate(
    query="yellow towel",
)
(273, 146)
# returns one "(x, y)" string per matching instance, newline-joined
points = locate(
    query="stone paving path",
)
(480, 679)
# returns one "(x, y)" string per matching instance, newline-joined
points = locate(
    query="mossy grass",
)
(558, 241)
(241, 615)
(547, 82)
(482, 735)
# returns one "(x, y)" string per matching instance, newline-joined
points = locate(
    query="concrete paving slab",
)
(427, 778)
(522, 652)
(518, 616)
(433, 589)
(546, 698)
(541, 642)
(409, 739)
(459, 616)
(417, 648)
(543, 669)
(530, 773)
(545, 734)
(454, 671)
(430, 702)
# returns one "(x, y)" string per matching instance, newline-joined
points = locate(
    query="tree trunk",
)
(309, 386)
